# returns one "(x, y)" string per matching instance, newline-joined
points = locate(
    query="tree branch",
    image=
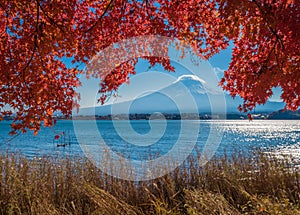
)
(265, 63)
(3, 8)
(269, 26)
(35, 39)
(51, 19)
(105, 11)
(33, 51)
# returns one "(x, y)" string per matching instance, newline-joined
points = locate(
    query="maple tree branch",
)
(277, 37)
(6, 17)
(3, 8)
(105, 11)
(269, 26)
(37, 24)
(35, 40)
(265, 63)
(60, 27)
(33, 52)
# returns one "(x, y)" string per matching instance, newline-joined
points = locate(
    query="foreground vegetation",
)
(228, 185)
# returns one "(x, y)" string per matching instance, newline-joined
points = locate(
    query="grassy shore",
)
(228, 185)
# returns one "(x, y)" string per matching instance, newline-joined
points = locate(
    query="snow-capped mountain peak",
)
(189, 79)
(189, 83)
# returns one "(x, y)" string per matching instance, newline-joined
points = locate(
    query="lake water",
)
(278, 137)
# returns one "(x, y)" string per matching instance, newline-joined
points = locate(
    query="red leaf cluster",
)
(36, 35)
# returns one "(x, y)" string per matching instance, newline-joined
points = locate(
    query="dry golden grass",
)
(235, 185)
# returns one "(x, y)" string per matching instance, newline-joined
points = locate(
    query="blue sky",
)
(149, 79)
(152, 79)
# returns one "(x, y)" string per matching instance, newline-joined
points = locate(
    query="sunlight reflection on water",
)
(277, 137)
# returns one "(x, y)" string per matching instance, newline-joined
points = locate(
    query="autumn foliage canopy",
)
(37, 35)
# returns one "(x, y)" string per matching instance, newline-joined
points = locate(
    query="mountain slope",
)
(188, 94)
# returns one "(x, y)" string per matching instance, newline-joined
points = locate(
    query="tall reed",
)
(239, 184)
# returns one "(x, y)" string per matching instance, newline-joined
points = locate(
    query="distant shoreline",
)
(277, 115)
(190, 116)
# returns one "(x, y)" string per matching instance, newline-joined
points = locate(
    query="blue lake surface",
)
(156, 138)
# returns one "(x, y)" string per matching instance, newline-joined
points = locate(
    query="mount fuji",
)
(188, 94)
